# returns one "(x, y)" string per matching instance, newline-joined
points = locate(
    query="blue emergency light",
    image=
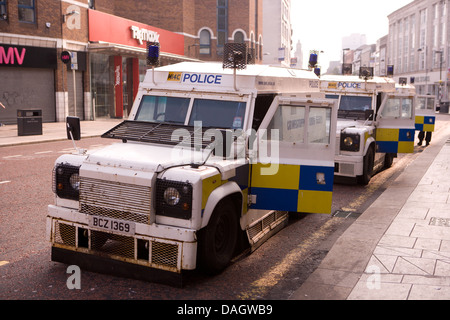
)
(317, 71)
(152, 54)
(312, 60)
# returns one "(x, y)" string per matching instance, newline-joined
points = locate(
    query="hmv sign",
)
(27, 57)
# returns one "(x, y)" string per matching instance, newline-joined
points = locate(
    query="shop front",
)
(117, 51)
(27, 81)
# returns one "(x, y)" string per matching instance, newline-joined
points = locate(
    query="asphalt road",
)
(273, 272)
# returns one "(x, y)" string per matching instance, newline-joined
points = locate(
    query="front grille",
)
(152, 252)
(115, 200)
(154, 132)
(112, 244)
(347, 169)
(65, 234)
(164, 254)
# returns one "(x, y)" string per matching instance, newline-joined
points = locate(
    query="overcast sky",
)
(321, 24)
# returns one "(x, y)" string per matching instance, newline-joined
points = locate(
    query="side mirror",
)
(368, 115)
(73, 128)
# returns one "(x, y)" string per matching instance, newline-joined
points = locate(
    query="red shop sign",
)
(108, 28)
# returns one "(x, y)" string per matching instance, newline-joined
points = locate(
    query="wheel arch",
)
(229, 190)
(370, 143)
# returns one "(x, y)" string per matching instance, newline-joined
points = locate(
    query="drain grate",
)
(346, 214)
(439, 222)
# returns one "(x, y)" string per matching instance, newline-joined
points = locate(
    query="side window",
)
(425, 103)
(407, 106)
(397, 107)
(319, 125)
(289, 121)
(391, 110)
(299, 124)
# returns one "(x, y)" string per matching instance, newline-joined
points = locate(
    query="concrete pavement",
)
(399, 248)
(54, 131)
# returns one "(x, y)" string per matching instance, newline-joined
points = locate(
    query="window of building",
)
(27, 11)
(222, 25)
(205, 42)
(239, 37)
(3, 10)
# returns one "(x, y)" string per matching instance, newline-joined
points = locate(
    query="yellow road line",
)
(261, 286)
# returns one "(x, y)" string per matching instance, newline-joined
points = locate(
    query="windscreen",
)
(355, 103)
(218, 113)
(163, 109)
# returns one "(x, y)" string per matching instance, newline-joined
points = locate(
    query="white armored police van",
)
(208, 158)
(375, 123)
(425, 110)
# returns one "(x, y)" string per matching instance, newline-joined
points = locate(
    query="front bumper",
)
(348, 166)
(155, 246)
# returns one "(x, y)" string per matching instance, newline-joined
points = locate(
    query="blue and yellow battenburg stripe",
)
(293, 188)
(241, 178)
(395, 140)
(425, 123)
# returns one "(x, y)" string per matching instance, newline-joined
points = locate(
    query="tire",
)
(218, 240)
(388, 160)
(368, 167)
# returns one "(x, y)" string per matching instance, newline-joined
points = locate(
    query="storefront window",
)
(102, 84)
(142, 69)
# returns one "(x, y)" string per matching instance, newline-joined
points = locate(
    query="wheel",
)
(368, 167)
(388, 160)
(218, 240)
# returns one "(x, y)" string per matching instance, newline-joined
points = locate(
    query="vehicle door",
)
(293, 164)
(425, 113)
(395, 124)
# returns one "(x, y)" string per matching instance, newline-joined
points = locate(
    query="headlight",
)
(75, 181)
(66, 181)
(350, 142)
(172, 196)
(173, 199)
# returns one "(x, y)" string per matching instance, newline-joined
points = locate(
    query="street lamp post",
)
(440, 75)
(425, 65)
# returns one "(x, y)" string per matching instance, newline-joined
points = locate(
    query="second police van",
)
(207, 159)
(375, 123)
(425, 111)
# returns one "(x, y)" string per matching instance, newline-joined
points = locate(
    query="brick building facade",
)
(105, 38)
